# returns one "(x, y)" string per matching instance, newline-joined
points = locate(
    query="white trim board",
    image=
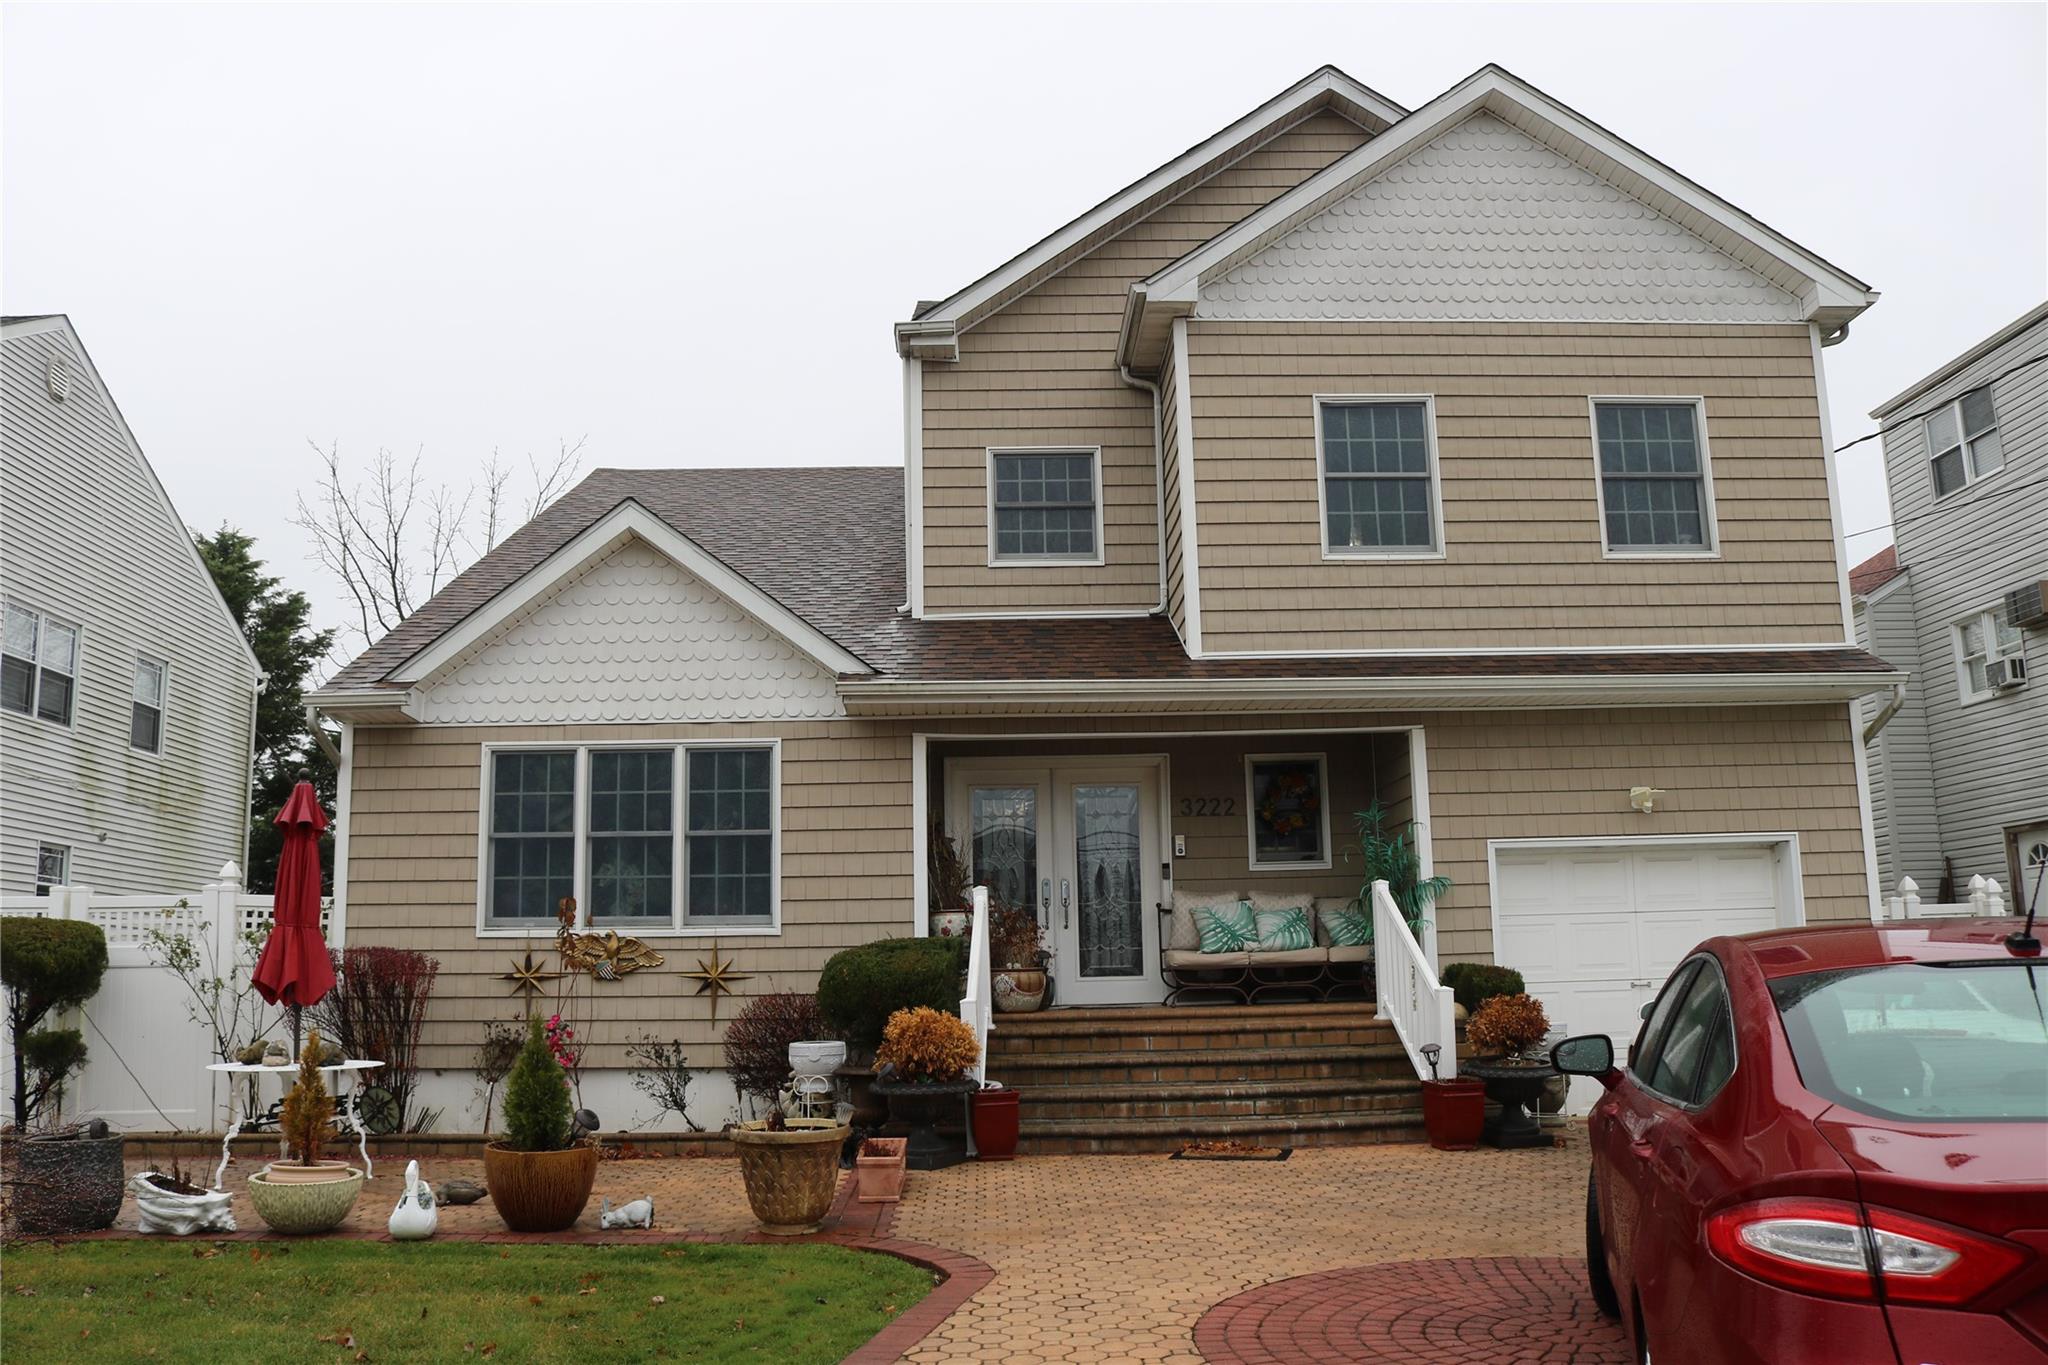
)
(628, 518)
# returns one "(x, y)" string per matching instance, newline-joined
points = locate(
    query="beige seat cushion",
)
(1281, 900)
(1299, 957)
(1361, 953)
(1181, 934)
(1184, 960)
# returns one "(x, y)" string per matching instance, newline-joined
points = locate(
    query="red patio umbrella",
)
(294, 969)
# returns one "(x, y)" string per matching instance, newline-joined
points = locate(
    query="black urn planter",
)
(918, 1106)
(69, 1183)
(1515, 1086)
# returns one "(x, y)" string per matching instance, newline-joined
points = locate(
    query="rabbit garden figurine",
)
(416, 1215)
(638, 1214)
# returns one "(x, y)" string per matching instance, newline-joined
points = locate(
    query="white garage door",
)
(1595, 930)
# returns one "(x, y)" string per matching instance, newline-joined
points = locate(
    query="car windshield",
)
(1923, 1040)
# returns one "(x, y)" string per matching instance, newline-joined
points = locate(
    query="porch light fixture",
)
(1644, 799)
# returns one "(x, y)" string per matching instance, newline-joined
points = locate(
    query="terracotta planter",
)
(67, 1184)
(790, 1176)
(304, 1208)
(996, 1120)
(540, 1191)
(1453, 1113)
(879, 1171)
(1018, 990)
(292, 1173)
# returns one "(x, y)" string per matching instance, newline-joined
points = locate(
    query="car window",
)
(1720, 1061)
(1683, 1060)
(1918, 1040)
(1643, 1056)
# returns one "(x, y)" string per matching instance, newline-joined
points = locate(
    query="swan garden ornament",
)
(638, 1214)
(417, 1213)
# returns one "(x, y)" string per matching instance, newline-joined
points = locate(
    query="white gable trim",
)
(1830, 296)
(58, 322)
(1326, 87)
(628, 518)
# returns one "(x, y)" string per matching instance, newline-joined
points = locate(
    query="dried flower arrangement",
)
(757, 1042)
(925, 1044)
(1015, 940)
(951, 881)
(1507, 1024)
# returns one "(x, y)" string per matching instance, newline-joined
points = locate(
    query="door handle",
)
(1066, 901)
(1045, 898)
(1644, 984)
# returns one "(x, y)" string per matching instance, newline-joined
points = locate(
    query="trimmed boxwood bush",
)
(46, 965)
(1475, 983)
(861, 987)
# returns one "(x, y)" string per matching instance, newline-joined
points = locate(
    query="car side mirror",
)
(1589, 1054)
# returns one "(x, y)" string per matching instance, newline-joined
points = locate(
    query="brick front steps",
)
(1150, 1079)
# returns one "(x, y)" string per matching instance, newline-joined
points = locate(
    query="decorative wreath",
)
(1290, 802)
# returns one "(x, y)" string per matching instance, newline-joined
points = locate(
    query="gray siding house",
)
(1959, 757)
(127, 692)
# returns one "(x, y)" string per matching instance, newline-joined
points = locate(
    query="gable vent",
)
(57, 377)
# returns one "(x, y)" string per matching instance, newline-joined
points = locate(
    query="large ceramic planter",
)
(790, 1176)
(1453, 1112)
(300, 1209)
(996, 1121)
(180, 1213)
(540, 1191)
(951, 923)
(1018, 990)
(1514, 1086)
(918, 1106)
(292, 1173)
(67, 1184)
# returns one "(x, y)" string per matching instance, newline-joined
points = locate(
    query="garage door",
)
(1595, 930)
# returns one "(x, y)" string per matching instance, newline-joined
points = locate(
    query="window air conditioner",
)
(2001, 674)
(2028, 606)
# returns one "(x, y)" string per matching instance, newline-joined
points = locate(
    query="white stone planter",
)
(180, 1214)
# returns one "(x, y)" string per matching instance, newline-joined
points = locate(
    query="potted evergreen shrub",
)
(305, 1194)
(920, 1068)
(540, 1173)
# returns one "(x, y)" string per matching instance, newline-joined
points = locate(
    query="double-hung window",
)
(146, 713)
(1379, 481)
(1988, 648)
(671, 838)
(38, 665)
(1656, 496)
(1962, 441)
(53, 867)
(1045, 507)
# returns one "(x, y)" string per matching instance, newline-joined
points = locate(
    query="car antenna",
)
(2022, 941)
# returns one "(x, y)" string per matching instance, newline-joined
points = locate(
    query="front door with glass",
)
(1080, 846)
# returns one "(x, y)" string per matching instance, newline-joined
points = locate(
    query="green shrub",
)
(536, 1097)
(45, 965)
(861, 987)
(1475, 983)
(54, 1056)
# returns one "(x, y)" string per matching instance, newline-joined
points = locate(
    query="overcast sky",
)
(685, 232)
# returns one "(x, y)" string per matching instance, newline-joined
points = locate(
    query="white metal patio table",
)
(353, 1069)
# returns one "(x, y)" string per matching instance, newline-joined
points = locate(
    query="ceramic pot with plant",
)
(167, 1202)
(1507, 1031)
(791, 1174)
(952, 912)
(1017, 960)
(304, 1194)
(540, 1173)
(922, 1070)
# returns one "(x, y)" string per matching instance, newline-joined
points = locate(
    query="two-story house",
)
(127, 691)
(1466, 460)
(1959, 752)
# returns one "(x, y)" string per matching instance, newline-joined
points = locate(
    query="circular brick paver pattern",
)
(1519, 1308)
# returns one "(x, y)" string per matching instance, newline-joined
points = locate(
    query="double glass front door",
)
(1079, 847)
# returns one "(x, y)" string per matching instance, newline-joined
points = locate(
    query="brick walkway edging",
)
(850, 1224)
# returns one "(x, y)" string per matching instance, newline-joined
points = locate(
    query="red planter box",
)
(1453, 1113)
(996, 1120)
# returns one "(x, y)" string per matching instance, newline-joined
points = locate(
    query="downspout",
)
(1158, 475)
(1884, 717)
(320, 736)
(1836, 337)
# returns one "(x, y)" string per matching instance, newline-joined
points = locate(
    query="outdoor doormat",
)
(1225, 1150)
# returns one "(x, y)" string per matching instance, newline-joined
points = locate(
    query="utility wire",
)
(1872, 436)
(1945, 508)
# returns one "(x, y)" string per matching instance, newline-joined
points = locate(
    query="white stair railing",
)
(977, 1005)
(1987, 901)
(1411, 998)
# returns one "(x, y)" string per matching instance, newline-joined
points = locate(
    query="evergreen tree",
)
(277, 624)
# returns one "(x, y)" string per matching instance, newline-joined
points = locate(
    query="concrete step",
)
(1212, 1065)
(1044, 1137)
(1212, 1100)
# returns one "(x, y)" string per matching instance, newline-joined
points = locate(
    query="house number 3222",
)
(1208, 805)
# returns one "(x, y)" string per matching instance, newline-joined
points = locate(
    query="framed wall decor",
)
(1287, 808)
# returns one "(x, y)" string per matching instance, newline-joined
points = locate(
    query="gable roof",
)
(1829, 294)
(934, 326)
(39, 324)
(2033, 317)
(1876, 571)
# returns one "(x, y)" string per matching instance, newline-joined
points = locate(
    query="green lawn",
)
(364, 1301)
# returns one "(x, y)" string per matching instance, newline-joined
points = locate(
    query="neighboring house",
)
(1465, 459)
(127, 692)
(1959, 766)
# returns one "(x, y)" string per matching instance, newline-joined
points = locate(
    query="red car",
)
(1829, 1145)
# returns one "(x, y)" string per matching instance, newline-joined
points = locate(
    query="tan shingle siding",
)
(1043, 372)
(1524, 565)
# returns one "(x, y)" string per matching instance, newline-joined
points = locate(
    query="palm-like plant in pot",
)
(304, 1194)
(540, 1173)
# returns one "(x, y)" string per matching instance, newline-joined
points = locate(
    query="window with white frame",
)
(38, 665)
(146, 712)
(655, 839)
(1987, 645)
(1654, 494)
(53, 867)
(1378, 476)
(1287, 811)
(1045, 506)
(1962, 441)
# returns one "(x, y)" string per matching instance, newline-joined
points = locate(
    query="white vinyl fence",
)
(1986, 900)
(146, 1056)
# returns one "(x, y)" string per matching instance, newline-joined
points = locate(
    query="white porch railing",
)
(977, 1006)
(1411, 998)
(1987, 900)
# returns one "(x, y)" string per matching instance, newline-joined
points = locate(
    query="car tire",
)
(1597, 1277)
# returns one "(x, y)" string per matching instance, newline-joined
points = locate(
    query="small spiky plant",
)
(308, 1109)
(1392, 857)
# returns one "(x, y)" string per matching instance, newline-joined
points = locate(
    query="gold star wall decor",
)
(717, 977)
(529, 977)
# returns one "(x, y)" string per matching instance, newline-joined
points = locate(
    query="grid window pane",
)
(58, 649)
(1942, 432)
(1651, 475)
(21, 633)
(730, 835)
(149, 682)
(1376, 477)
(1979, 413)
(1045, 506)
(632, 853)
(533, 846)
(1948, 472)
